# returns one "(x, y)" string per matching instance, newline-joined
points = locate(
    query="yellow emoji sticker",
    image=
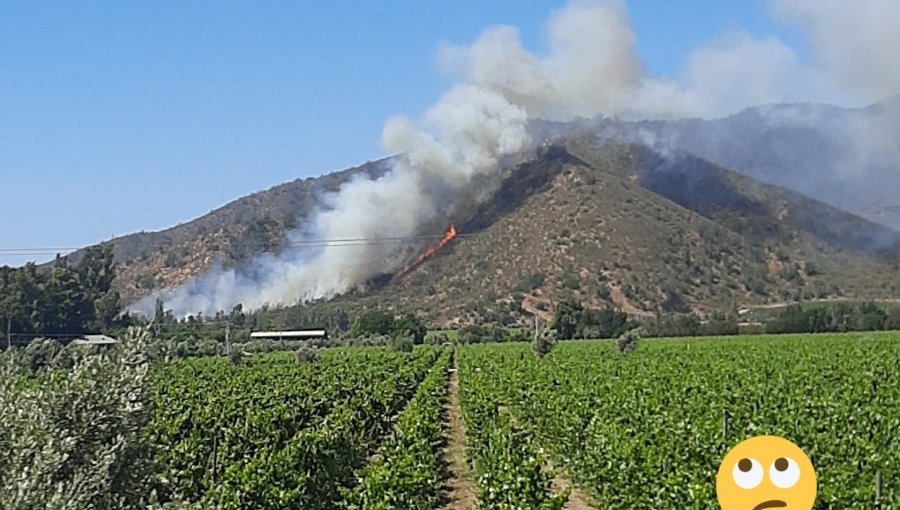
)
(766, 472)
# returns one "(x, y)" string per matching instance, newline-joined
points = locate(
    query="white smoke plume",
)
(591, 68)
(856, 43)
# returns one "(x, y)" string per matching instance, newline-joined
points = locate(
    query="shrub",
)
(41, 352)
(411, 326)
(437, 339)
(544, 343)
(235, 356)
(531, 282)
(306, 355)
(517, 335)
(402, 343)
(372, 323)
(720, 325)
(208, 347)
(628, 341)
(571, 281)
(372, 340)
(474, 334)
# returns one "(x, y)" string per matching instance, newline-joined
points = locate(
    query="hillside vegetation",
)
(619, 225)
(225, 237)
(583, 219)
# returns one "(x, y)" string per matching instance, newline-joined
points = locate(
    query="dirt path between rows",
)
(577, 499)
(459, 490)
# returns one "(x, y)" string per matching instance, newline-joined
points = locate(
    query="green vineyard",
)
(649, 430)
(275, 433)
(369, 428)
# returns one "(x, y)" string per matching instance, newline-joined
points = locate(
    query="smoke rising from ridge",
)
(591, 68)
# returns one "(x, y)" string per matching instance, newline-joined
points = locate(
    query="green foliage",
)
(411, 326)
(531, 282)
(720, 324)
(65, 307)
(507, 457)
(669, 325)
(571, 320)
(627, 343)
(437, 339)
(517, 335)
(544, 343)
(71, 438)
(834, 318)
(372, 323)
(306, 355)
(382, 324)
(96, 272)
(159, 314)
(106, 309)
(476, 334)
(402, 343)
(409, 468)
(62, 299)
(41, 353)
(570, 280)
(646, 431)
(273, 433)
(566, 319)
(603, 291)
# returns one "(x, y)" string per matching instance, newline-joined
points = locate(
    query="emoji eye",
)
(748, 473)
(784, 473)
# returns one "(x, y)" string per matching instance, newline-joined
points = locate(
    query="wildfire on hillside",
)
(431, 250)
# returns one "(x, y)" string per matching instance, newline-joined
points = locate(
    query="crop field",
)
(493, 426)
(645, 430)
(274, 433)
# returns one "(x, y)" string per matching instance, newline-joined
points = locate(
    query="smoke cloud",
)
(591, 68)
(855, 43)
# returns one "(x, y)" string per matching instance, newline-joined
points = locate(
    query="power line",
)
(310, 243)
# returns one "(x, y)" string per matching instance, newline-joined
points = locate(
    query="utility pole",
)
(878, 488)
(536, 333)
(228, 338)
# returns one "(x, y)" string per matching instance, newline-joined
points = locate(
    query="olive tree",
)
(70, 438)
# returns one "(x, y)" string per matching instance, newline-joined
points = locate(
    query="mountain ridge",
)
(657, 167)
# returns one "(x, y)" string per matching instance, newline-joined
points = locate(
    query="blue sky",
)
(118, 117)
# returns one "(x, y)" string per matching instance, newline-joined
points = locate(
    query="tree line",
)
(836, 317)
(62, 299)
(572, 320)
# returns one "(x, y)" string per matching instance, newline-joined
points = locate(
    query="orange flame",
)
(431, 250)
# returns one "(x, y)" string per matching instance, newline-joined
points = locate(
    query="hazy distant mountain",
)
(849, 158)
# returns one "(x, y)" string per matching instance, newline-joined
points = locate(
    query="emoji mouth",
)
(772, 503)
